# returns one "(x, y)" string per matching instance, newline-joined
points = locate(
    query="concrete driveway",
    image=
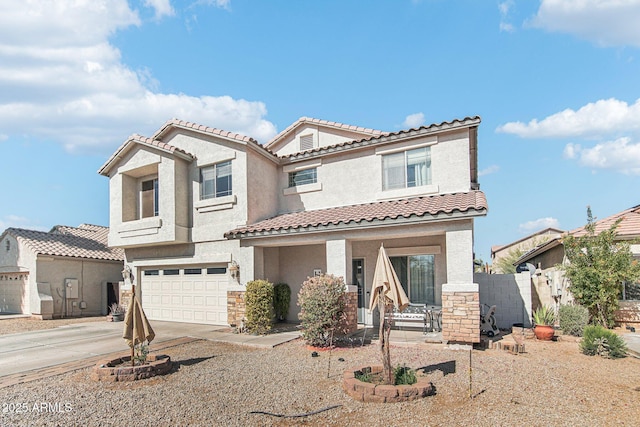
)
(27, 351)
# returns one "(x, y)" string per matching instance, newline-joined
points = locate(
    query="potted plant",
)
(117, 312)
(544, 318)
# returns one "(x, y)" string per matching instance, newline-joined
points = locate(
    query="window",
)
(192, 271)
(307, 176)
(630, 291)
(151, 273)
(149, 198)
(215, 180)
(406, 169)
(171, 272)
(7, 244)
(416, 273)
(217, 270)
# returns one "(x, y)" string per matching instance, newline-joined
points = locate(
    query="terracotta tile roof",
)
(311, 120)
(84, 241)
(366, 213)
(201, 128)
(139, 139)
(391, 136)
(629, 226)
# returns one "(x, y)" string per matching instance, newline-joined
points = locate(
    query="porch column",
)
(339, 264)
(460, 296)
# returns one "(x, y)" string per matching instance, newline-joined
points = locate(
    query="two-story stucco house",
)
(200, 211)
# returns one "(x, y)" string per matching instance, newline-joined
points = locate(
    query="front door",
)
(358, 279)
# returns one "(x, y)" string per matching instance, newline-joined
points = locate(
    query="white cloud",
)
(505, 8)
(620, 155)
(413, 120)
(62, 80)
(603, 117)
(489, 170)
(222, 4)
(538, 224)
(161, 7)
(604, 22)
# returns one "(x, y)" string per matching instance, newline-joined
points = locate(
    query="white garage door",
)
(186, 294)
(13, 292)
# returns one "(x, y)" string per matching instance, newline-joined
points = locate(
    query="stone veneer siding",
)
(350, 324)
(461, 317)
(236, 307)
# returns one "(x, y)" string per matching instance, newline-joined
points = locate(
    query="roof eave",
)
(352, 225)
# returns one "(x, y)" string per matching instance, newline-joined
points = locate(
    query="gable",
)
(307, 134)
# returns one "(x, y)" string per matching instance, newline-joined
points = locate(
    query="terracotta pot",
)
(544, 332)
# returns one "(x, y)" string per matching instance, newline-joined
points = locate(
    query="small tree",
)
(597, 267)
(281, 300)
(505, 264)
(322, 303)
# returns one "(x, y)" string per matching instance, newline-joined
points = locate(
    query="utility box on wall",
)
(71, 288)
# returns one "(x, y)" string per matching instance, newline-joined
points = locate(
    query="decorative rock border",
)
(368, 392)
(117, 369)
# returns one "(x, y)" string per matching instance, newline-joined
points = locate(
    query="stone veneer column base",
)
(350, 324)
(236, 308)
(461, 313)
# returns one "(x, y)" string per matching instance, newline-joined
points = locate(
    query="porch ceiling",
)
(392, 212)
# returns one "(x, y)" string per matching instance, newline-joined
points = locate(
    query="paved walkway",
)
(633, 343)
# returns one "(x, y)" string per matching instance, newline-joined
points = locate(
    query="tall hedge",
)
(281, 300)
(259, 306)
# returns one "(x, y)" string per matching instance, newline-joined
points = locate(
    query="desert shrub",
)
(573, 319)
(597, 340)
(544, 315)
(404, 375)
(321, 301)
(259, 306)
(281, 300)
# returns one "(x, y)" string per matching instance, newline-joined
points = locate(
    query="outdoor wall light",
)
(234, 270)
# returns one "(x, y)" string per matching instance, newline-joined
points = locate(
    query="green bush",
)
(321, 301)
(404, 375)
(573, 319)
(603, 342)
(281, 300)
(259, 306)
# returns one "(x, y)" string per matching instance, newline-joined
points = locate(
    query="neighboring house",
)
(200, 211)
(550, 285)
(520, 246)
(68, 271)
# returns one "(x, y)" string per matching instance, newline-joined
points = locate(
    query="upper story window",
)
(149, 198)
(406, 169)
(306, 176)
(215, 180)
(8, 245)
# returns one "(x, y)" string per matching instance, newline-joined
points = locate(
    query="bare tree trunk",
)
(384, 333)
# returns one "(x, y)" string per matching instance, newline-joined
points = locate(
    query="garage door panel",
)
(186, 299)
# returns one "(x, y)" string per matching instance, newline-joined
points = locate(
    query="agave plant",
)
(544, 315)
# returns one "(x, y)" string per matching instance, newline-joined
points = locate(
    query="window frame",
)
(409, 167)
(296, 174)
(214, 168)
(156, 197)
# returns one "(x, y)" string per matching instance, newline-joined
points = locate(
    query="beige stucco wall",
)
(14, 290)
(355, 177)
(92, 278)
(322, 137)
(262, 192)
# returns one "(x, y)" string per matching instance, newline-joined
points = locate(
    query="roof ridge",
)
(384, 135)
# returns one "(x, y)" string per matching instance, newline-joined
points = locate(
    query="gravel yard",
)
(221, 384)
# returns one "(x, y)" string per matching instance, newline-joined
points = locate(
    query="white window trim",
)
(216, 203)
(296, 167)
(306, 188)
(422, 190)
(409, 145)
(147, 178)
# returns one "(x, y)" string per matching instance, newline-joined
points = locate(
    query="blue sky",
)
(556, 82)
